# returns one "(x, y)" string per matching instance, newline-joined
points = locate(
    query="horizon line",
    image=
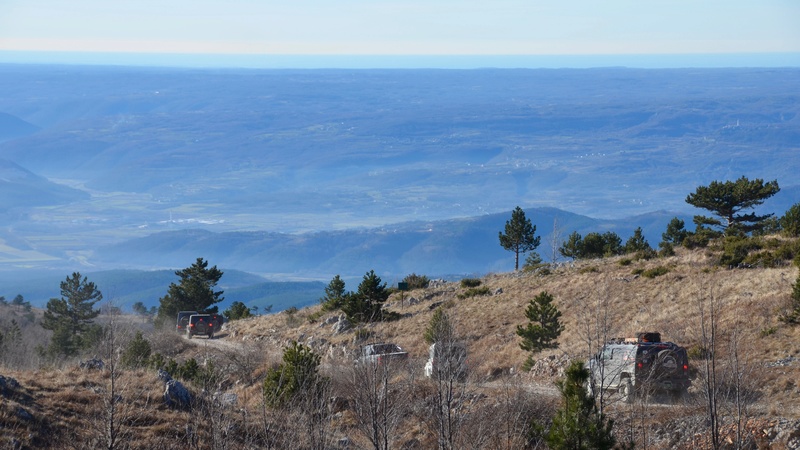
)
(303, 61)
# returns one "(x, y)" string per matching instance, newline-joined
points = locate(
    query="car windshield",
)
(387, 348)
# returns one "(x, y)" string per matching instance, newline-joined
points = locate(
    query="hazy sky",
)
(407, 27)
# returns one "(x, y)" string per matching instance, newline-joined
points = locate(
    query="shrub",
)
(415, 281)
(335, 295)
(296, 375)
(790, 222)
(666, 249)
(697, 351)
(157, 361)
(589, 269)
(534, 263)
(439, 328)
(474, 292)
(187, 371)
(314, 317)
(645, 254)
(767, 331)
(237, 310)
(137, 352)
(291, 316)
(700, 238)
(779, 254)
(736, 248)
(470, 282)
(793, 316)
(655, 272)
(362, 334)
(625, 262)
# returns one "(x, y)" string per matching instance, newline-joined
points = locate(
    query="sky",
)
(242, 29)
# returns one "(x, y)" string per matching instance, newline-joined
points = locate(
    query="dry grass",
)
(67, 407)
(749, 300)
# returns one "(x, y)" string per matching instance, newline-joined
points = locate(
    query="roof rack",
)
(640, 337)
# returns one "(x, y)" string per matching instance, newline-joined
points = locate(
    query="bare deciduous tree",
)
(379, 393)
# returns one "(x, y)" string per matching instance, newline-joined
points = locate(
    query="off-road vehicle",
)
(382, 353)
(200, 324)
(642, 364)
(183, 320)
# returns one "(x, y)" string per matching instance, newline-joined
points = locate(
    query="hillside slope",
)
(39, 406)
(748, 302)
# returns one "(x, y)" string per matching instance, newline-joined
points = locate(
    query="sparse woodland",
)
(59, 405)
(288, 380)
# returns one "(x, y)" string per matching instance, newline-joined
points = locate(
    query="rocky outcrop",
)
(175, 393)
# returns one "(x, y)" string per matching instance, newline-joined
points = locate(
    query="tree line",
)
(729, 202)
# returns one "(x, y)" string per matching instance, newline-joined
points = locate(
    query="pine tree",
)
(366, 304)
(675, 232)
(194, 292)
(545, 327)
(237, 310)
(334, 295)
(70, 317)
(572, 247)
(520, 235)
(578, 424)
(439, 328)
(727, 200)
(637, 242)
(139, 308)
(793, 316)
(137, 352)
(790, 222)
(297, 375)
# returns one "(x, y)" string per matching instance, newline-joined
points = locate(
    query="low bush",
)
(315, 316)
(736, 248)
(415, 281)
(655, 272)
(137, 352)
(474, 292)
(666, 249)
(769, 331)
(363, 334)
(645, 254)
(470, 282)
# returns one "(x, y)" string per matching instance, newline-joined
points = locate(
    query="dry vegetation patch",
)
(68, 407)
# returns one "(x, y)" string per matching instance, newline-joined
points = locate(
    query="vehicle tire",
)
(666, 362)
(626, 390)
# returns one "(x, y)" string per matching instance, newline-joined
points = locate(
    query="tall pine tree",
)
(520, 235)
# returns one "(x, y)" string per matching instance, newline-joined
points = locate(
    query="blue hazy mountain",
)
(308, 173)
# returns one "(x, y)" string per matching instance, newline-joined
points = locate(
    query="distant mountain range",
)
(303, 174)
